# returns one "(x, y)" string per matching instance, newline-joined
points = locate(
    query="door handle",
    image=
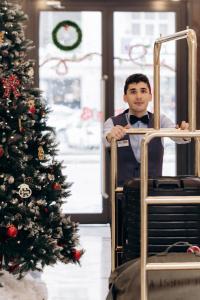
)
(103, 153)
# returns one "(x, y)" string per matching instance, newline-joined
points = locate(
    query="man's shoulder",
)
(123, 112)
(162, 116)
(120, 118)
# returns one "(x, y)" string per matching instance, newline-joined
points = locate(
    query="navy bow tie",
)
(144, 119)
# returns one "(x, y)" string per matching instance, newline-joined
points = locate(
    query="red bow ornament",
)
(10, 84)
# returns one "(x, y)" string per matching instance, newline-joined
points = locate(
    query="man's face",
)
(138, 96)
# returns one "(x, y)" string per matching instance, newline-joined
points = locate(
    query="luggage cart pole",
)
(147, 200)
(190, 35)
(113, 210)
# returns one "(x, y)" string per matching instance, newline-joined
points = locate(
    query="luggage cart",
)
(149, 134)
(190, 35)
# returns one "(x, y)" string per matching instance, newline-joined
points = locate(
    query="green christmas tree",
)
(33, 230)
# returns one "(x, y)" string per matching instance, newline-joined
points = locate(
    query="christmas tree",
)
(33, 230)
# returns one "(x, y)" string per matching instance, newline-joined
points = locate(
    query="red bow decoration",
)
(86, 114)
(10, 84)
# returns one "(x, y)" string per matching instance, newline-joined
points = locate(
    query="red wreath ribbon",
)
(10, 84)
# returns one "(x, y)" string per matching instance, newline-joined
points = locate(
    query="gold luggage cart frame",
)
(149, 134)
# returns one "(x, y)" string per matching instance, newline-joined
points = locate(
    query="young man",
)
(137, 94)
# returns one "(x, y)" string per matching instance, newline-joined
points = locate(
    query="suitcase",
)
(167, 224)
(125, 284)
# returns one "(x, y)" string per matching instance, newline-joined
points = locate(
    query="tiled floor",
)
(90, 281)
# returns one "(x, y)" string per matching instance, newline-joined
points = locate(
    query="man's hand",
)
(184, 126)
(117, 132)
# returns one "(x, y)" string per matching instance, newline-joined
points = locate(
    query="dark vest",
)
(128, 166)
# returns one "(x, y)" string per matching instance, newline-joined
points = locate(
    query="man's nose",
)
(138, 95)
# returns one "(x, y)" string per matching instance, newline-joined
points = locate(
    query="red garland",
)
(10, 84)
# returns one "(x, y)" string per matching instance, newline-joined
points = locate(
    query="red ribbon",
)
(10, 84)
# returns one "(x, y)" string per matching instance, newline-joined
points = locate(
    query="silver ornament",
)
(24, 190)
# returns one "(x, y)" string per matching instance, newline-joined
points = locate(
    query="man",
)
(137, 94)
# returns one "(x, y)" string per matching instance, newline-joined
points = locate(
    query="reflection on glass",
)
(71, 83)
(133, 53)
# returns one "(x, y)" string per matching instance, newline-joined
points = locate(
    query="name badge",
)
(124, 143)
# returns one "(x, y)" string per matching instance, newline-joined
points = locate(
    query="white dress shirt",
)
(135, 140)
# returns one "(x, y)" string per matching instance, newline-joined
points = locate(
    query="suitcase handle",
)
(167, 185)
(181, 243)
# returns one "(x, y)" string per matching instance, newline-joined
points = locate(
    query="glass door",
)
(134, 37)
(70, 76)
(103, 44)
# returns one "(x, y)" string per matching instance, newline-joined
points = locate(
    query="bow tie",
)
(144, 119)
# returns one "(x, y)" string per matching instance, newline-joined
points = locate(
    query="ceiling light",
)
(54, 4)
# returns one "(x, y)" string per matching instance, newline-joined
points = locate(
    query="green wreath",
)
(69, 47)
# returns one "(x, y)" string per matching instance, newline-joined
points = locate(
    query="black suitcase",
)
(167, 224)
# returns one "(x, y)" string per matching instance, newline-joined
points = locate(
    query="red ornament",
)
(10, 84)
(77, 254)
(56, 186)
(12, 266)
(12, 231)
(86, 114)
(46, 210)
(60, 244)
(32, 110)
(22, 130)
(1, 151)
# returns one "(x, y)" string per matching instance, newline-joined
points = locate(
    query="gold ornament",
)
(31, 103)
(1, 37)
(40, 153)
(28, 180)
(24, 190)
(30, 72)
(51, 176)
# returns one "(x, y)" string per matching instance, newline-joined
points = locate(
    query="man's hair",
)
(136, 78)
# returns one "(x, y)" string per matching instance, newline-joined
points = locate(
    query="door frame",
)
(107, 8)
